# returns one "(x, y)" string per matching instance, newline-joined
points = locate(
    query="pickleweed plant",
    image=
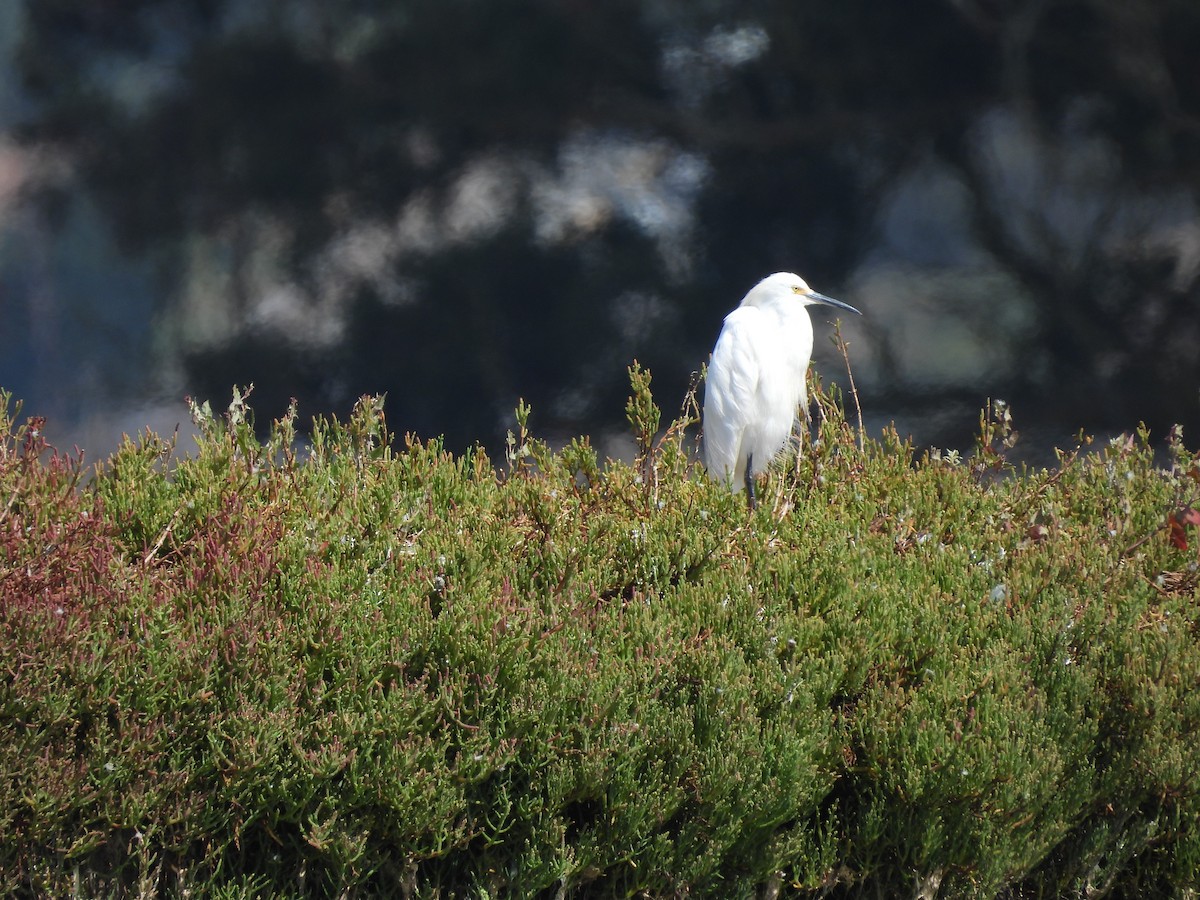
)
(349, 665)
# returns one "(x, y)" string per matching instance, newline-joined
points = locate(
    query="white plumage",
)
(756, 378)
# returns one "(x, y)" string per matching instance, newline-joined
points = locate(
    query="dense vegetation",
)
(376, 668)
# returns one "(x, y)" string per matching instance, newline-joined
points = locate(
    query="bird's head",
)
(787, 286)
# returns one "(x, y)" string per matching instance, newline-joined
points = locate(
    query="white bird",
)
(756, 379)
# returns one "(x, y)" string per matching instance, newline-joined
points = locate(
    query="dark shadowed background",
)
(464, 202)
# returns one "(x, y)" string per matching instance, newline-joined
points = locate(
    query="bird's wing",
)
(733, 376)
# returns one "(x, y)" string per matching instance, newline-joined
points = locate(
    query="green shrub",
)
(358, 668)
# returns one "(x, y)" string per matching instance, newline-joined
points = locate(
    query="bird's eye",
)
(796, 289)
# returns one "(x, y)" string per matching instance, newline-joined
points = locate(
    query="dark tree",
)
(802, 117)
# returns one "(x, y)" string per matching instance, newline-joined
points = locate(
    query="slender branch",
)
(843, 347)
(150, 554)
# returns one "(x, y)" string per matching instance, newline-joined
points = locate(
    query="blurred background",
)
(465, 202)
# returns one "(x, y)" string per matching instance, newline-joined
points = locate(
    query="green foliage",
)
(361, 668)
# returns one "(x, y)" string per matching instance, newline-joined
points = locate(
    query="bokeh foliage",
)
(374, 667)
(195, 120)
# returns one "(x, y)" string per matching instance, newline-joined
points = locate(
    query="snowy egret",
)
(756, 379)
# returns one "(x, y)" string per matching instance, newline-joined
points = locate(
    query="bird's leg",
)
(750, 482)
